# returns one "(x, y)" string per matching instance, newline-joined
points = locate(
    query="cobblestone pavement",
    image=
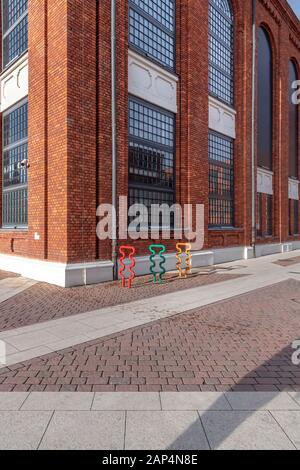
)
(44, 302)
(243, 344)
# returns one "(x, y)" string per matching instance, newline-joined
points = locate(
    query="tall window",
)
(221, 181)
(293, 125)
(15, 29)
(293, 148)
(221, 51)
(15, 154)
(152, 29)
(151, 155)
(265, 124)
(265, 101)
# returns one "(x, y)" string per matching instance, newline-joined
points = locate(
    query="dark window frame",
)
(156, 24)
(163, 192)
(269, 215)
(14, 29)
(293, 124)
(221, 190)
(265, 118)
(226, 96)
(14, 192)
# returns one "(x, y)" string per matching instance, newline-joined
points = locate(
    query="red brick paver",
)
(43, 302)
(240, 344)
(7, 275)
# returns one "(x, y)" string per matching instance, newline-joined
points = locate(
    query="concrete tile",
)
(63, 401)
(162, 430)
(67, 342)
(35, 339)
(9, 349)
(10, 401)
(241, 430)
(85, 430)
(22, 430)
(194, 401)
(26, 355)
(126, 401)
(252, 401)
(69, 330)
(290, 423)
(295, 396)
(98, 321)
(100, 333)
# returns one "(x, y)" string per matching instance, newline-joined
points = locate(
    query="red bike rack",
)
(127, 252)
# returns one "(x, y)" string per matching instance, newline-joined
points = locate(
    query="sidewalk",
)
(150, 421)
(43, 338)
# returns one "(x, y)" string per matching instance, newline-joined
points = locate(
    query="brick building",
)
(197, 121)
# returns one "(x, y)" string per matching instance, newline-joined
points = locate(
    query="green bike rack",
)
(157, 250)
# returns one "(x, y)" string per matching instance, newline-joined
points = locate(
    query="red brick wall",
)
(70, 122)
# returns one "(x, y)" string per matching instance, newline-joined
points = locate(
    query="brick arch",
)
(297, 65)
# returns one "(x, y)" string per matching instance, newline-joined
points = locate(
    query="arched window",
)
(293, 123)
(293, 148)
(265, 101)
(221, 51)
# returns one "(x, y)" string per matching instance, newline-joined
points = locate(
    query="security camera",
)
(23, 164)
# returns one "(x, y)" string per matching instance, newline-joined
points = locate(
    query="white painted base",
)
(71, 275)
(60, 274)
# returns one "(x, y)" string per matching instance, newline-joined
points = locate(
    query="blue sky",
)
(295, 4)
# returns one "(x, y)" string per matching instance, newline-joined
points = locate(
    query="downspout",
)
(253, 144)
(114, 139)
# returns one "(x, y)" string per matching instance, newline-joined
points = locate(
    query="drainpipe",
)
(253, 145)
(114, 139)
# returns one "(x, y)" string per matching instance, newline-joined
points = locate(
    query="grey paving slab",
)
(12, 401)
(126, 401)
(67, 342)
(252, 401)
(295, 396)
(26, 341)
(26, 355)
(22, 430)
(162, 430)
(63, 401)
(74, 329)
(194, 401)
(290, 423)
(85, 430)
(241, 430)
(12, 286)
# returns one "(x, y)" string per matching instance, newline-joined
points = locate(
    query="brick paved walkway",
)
(240, 344)
(6, 275)
(43, 302)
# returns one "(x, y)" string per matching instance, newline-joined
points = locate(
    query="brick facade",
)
(70, 122)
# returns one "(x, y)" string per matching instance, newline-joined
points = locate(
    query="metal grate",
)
(221, 51)
(15, 34)
(152, 29)
(151, 155)
(15, 150)
(221, 181)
